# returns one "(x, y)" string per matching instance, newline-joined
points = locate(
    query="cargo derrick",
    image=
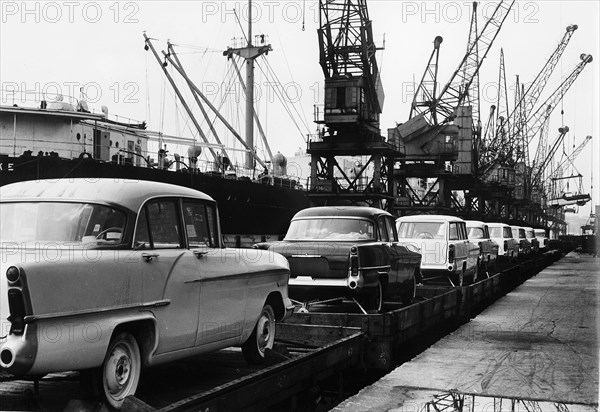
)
(527, 205)
(441, 136)
(350, 114)
(507, 153)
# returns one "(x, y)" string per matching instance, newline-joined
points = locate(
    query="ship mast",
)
(249, 53)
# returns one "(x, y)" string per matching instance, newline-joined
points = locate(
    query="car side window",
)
(507, 232)
(158, 225)
(453, 233)
(200, 224)
(381, 228)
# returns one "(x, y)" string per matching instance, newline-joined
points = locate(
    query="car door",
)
(457, 237)
(391, 249)
(168, 274)
(221, 275)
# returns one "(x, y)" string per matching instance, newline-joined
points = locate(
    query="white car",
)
(444, 245)
(524, 244)
(530, 235)
(540, 235)
(478, 233)
(508, 246)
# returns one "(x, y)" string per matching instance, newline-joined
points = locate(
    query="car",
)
(348, 251)
(445, 249)
(478, 232)
(530, 235)
(540, 235)
(508, 246)
(108, 276)
(524, 244)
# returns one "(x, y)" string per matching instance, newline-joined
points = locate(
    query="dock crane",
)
(353, 102)
(440, 137)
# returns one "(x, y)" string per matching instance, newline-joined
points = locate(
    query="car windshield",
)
(495, 232)
(422, 230)
(540, 233)
(61, 223)
(476, 233)
(331, 229)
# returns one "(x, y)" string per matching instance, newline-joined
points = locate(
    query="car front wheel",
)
(262, 337)
(121, 369)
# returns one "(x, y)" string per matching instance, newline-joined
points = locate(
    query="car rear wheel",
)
(121, 369)
(262, 337)
(409, 290)
(372, 298)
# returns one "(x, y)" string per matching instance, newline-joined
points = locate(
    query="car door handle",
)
(149, 256)
(200, 253)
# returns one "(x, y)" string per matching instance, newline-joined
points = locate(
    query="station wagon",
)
(508, 246)
(107, 276)
(540, 235)
(530, 235)
(524, 244)
(348, 251)
(445, 248)
(488, 249)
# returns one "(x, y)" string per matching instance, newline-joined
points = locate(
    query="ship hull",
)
(245, 207)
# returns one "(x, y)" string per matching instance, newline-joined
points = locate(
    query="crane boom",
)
(455, 91)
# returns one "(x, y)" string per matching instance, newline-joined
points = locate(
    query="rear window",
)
(61, 222)
(331, 229)
(496, 232)
(422, 230)
(476, 233)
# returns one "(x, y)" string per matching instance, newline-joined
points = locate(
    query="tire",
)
(372, 298)
(262, 337)
(409, 292)
(121, 369)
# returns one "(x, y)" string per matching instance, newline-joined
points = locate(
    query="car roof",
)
(429, 218)
(475, 223)
(497, 224)
(130, 194)
(341, 211)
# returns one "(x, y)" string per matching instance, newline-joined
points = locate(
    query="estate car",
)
(488, 249)
(540, 235)
(524, 244)
(444, 245)
(107, 276)
(530, 235)
(348, 251)
(508, 246)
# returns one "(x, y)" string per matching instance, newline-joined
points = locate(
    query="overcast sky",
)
(63, 46)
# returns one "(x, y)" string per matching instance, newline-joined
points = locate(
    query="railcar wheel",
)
(121, 369)
(262, 337)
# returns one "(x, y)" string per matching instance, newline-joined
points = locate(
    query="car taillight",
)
(16, 307)
(12, 275)
(17, 302)
(353, 261)
(450, 253)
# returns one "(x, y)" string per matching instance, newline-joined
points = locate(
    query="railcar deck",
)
(535, 349)
(316, 352)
